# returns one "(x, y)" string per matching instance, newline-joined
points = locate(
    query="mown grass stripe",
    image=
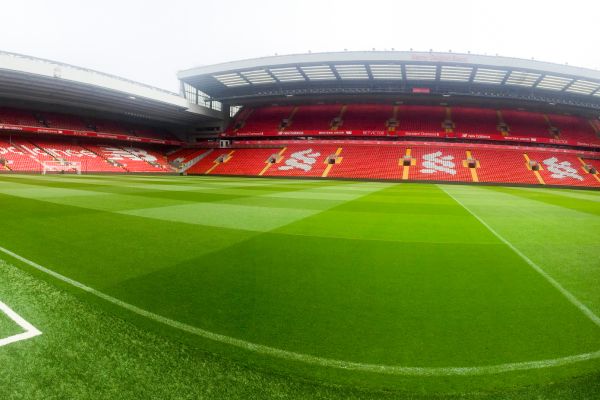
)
(306, 358)
(582, 307)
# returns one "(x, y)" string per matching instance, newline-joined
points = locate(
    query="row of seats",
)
(409, 162)
(381, 117)
(432, 162)
(23, 155)
(13, 116)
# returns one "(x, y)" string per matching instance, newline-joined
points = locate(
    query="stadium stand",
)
(367, 159)
(435, 163)
(90, 161)
(261, 119)
(302, 160)
(17, 158)
(246, 162)
(559, 168)
(475, 120)
(315, 117)
(421, 118)
(376, 119)
(15, 116)
(522, 123)
(58, 121)
(367, 117)
(574, 128)
(416, 162)
(132, 159)
(502, 166)
(368, 162)
(211, 160)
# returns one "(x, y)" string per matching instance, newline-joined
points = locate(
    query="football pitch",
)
(217, 287)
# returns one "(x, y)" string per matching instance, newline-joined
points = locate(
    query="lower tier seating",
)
(245, 162)
(302, 160)
(412, 162)
(22, 155)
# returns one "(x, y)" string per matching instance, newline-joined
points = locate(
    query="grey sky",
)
(150, 40)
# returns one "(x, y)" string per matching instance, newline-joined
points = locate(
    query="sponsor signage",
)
(421, 90)
(424, 134)
(68, 132)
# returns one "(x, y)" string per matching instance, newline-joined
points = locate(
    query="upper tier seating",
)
(64, 121)
(371, 117)
(574, 128)
(315, 118)
(421, 118)
(407, 118)
(13, 116)
(475, 120)
(45, 119)
(262, 119)
(523, 123)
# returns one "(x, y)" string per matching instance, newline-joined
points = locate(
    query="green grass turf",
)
(8, 327)
(368, 273)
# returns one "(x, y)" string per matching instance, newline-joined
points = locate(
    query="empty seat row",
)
(411, 118)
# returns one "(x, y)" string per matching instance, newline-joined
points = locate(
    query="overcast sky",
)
(149, 41)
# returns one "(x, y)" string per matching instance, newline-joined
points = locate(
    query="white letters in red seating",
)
(561, 170)
(303, 160)
(435, 162)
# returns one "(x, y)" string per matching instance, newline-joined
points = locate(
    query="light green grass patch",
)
(563, 241)
(225, 215)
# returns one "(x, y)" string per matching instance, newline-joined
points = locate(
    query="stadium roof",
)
(37, 80)
(396, 71)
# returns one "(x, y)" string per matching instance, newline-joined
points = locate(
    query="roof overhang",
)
(34, 80)
(396, 71)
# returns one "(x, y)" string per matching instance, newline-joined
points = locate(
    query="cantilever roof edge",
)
(61, 71)
(392, 56)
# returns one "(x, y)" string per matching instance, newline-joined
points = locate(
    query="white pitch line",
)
(574, 300)
(310, 359)
(30, 330)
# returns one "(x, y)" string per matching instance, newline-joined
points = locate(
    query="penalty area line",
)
(30, 330)
(307, 358)
(574, 300)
